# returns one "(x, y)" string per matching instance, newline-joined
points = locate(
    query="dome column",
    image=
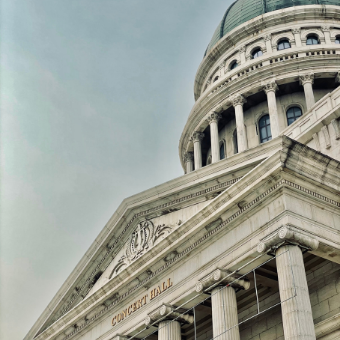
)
(307, 81)
(197, 138)
(242, 142)
(214, 138)
(270, 90)
(295, 302)
(189, 161)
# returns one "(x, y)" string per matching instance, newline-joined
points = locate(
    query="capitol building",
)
(246, 244)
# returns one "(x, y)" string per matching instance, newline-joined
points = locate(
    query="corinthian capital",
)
(287, 235)
(197, 136)
(238, 100)
(221, 277)
(296, 30)
(167, 312)
(307, 78)
(188, 157)
(271, 86)
(214, 117)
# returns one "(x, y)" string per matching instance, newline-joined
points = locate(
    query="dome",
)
(243, 10)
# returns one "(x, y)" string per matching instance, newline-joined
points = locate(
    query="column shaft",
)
(309, 94)
(295, 303)
(190, 167)
(274, 116)
(224, 314)
(215, 149)
(241, 129)
(198, 154)
(169, 330)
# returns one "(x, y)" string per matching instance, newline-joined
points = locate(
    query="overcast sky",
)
(94, 96)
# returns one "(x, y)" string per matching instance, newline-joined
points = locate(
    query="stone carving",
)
(238, 99)
(267, 37)
(307, 78)
(325, 28)
(197, 136)
(271, 86)
(221, 277)
(140, 241)
(214, 117)
(167, 312)
(296, 30)
(242, 49)
(287, 235)
(189, 157)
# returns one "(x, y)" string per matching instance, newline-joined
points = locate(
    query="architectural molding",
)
(167, 312)
(326, 136)
(214, 117)
(287, 235)
(336, 127)
(238, 99)
(197, 136)
(270, 87)
(221, 277)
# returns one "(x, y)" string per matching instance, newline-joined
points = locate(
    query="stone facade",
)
(245, 245)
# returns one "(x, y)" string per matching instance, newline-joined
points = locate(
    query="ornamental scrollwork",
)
(141, 240)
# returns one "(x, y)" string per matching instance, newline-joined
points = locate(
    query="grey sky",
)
(94, 96)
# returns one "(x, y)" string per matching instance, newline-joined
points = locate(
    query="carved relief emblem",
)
(141, 240)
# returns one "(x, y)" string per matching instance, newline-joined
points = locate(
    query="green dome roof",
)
(243, 10)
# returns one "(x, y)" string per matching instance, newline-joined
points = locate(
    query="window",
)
(222, 151)
(293, 114)
(283, 44)
(233, 65)
(337, 39)
(312, 39)
(216, 78)
(257, 53)
(235, 142)
(265, 132)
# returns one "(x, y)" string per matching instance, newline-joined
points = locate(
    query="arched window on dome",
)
(265, 131)
(293, 113)
(233, 65)
(257, 53)
(216, 78)
(283, 44)
(312, 39)
(222, 150)
(235, 142)
(337, 39)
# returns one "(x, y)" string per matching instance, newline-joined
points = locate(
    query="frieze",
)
(186, 251)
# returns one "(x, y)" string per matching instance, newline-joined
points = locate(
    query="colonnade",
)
(287, 244)
(193, 159)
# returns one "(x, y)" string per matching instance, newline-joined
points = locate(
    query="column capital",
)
(325, 28)
(242, 49)
(296, 30)
(188, 157)
(238, 99)
(197, 136)
(306, 78)
(267, 37)
(213, 117)
(166, 312)
(287, 235)
(271, 86)
(221, 277)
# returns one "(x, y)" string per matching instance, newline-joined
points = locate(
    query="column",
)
(242, 51)
(214, 138)
(327, 32)
(296, 307)
(297, 36)
(242, 142)
(223, 299)
(268, 40)
(189, 161)
(169, 330)
(224, 314)
(295, 303)
(307, 81)
(197, 138)
(270, 90)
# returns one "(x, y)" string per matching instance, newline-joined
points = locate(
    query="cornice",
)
(259, 24)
